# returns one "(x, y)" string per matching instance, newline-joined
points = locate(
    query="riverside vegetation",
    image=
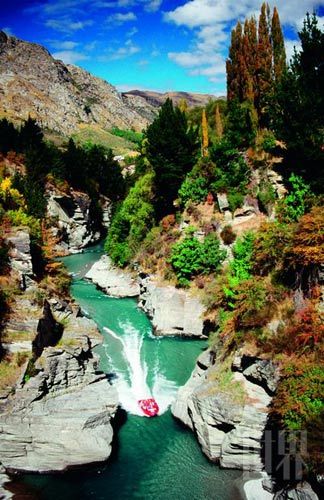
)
(185, 214)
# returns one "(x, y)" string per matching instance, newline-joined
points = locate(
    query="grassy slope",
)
(97, 135)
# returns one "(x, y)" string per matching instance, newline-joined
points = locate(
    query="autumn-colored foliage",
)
(218, 123)
(305, 331)
(256, 60)
(204, 133)
(168, 222)
(308, 241)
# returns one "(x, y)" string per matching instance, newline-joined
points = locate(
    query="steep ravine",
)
(152, 458)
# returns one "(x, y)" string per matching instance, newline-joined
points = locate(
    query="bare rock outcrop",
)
(229, 429)
(113, 281)
(72, 224)
(20, 256)
(171, 310)
(60, 415)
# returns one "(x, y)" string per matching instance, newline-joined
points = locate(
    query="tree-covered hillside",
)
(237, 216)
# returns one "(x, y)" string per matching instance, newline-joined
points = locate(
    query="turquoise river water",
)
(153, 458)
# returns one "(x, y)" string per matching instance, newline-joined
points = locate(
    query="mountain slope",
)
(60, 96)
(156, 99)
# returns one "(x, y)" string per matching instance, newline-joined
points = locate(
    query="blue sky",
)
(146, 44)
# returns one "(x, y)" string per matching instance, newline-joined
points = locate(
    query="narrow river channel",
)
(153, 458)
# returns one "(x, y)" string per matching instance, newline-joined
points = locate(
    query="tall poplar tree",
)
(264, 62)
(218, 123)
(234, 90)
(204, 134)
(278, 46)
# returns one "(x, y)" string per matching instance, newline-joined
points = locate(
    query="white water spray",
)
(134, 387)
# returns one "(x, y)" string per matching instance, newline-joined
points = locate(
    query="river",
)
(153, 458)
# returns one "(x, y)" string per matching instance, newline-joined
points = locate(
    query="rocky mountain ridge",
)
(156, 99)
(59, 96)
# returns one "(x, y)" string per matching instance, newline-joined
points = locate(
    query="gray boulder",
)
(264, 373)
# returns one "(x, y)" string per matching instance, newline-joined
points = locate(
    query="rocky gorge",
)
(71, 223)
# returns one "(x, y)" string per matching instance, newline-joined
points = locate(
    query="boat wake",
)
(132, 382)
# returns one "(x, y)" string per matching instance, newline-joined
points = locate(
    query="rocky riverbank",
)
(60, 413)
(227, 408)
(173, 312)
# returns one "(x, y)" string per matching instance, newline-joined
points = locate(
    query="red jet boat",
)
(149, 407)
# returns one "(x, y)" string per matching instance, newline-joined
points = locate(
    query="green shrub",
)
(20, 218)
(297, 202)
(266, 195)
(190, 257)
(194, 190)
(268, 142)
(241, 265)
(235, 199)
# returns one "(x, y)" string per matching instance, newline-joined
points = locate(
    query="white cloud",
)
(132, 32)
(7, 30)
(63, 45)
(152, 5)
(129, 49)
(121, 18)
(211, 22)
(289, 45)
(66, 25)
(198, 13)
(210, 71)
(70, 56)
(191, 59)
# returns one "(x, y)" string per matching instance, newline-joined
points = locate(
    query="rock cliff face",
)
(58, 96)
(20, 257)
(172, 311)
(71, 219)
(61, 417)
(112, 281)
(228, 429)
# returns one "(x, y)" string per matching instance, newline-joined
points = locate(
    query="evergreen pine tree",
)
(171, 148)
